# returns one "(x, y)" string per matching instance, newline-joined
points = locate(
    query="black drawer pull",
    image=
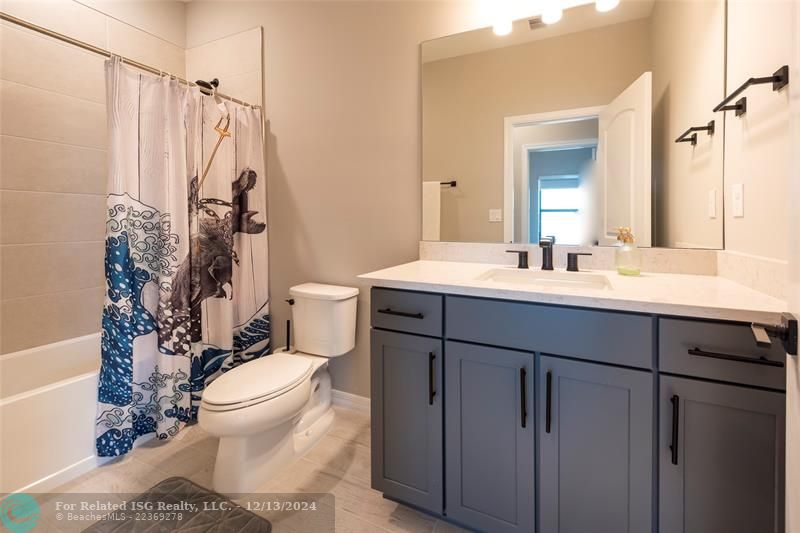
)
(523, 389)
(676, 406)
(431, 377)
(738, 358)
(388, 311)
(548, 414)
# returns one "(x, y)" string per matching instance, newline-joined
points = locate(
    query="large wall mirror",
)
(569, 129)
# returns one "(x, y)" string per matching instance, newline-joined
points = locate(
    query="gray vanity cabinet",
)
(721, 455)
(407, 423)
(489, 435)
(515, 417)
(595, 460)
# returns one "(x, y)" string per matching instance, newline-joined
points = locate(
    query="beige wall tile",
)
(36, 269)
(38, 320)
(63, 16)
(148, 49)
(246, 87)
(229, 56)
(31, 165)
(165, 19)
(34, 217)
(57, 67)
(38, 114)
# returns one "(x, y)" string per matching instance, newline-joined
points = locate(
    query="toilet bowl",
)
(269, 411)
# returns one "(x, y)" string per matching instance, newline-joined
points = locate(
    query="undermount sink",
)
(546, 278)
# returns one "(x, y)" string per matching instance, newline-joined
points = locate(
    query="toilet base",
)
(246, 463)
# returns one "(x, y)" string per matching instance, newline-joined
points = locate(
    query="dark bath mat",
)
(205, 511)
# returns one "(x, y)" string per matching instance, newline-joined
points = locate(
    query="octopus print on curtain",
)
(186, 253)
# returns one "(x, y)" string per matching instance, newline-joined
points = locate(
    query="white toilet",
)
(269, 411)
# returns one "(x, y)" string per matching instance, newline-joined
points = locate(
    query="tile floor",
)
(339, 465)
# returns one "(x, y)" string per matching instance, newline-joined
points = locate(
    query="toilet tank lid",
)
(318, 291)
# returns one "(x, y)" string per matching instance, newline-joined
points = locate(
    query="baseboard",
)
(350, 401)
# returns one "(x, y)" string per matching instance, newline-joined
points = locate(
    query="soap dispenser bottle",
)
(627, 253)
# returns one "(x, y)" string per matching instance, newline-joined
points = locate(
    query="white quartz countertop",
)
(664, 294)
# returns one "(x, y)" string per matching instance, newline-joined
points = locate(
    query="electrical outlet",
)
(712, 203)
(737, 193)
(495, 215)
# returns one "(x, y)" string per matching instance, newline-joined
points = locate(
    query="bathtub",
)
(48, 399)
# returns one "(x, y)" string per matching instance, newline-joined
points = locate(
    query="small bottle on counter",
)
(627, 254)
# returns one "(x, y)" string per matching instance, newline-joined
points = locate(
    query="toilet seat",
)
(257, 382)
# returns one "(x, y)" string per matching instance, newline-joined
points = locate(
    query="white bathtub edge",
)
(65, 475)
(75, 470)
(53, 345)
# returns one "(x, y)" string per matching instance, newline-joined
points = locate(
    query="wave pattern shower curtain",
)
(186, 257)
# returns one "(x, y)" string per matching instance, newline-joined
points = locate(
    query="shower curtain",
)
(186, 256)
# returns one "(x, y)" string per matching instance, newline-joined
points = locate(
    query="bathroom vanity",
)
(511, 404)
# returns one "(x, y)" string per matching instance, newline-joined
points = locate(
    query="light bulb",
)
(502, 27)
(605, 5)
(552, 12)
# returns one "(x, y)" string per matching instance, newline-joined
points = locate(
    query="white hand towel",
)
(431, 210)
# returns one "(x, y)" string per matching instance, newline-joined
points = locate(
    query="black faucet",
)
(546, 244)
(523, 257)
(572, 261)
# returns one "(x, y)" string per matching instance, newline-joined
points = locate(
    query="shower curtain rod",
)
(101, 51)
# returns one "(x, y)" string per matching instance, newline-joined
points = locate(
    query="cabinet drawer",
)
(413, 312)
(720, 351)
(620, 338)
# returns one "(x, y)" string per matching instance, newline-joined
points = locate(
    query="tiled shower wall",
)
(53, 159)
(53, 148)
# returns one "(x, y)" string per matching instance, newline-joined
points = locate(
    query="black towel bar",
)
(779, 80)
(686, 138)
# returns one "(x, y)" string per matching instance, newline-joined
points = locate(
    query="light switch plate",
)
(738, 199)
(712, 203)
(495, 215)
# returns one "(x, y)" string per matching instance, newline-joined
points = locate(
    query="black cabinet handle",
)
(431, 377)
(523, 388)
(738, 358)
(548, 414)
(389, 311)
(676, 413)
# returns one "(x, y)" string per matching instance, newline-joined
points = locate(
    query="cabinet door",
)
(721, 458)
(489, 434)
(407, 429)
(595, 426)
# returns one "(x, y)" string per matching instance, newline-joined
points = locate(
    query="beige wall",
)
(688, 47)
(53, 161)
(467, 98)
(342, 100)
(758, 145)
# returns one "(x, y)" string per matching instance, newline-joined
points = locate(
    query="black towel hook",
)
(686, 138)
(779, 80)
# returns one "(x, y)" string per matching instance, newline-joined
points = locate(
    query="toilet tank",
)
(324, 319)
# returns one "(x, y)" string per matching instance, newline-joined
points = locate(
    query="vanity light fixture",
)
(552, 12)
(502, 27)
(605, 5)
